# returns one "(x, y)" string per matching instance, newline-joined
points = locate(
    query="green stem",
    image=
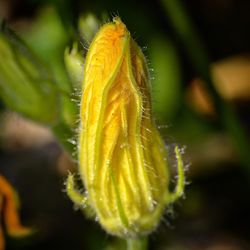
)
(191, 41)
(137, 243)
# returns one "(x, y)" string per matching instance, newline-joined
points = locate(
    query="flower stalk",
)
(137, 244)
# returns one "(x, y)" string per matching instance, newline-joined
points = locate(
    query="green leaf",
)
(25, 84)
(48, 38)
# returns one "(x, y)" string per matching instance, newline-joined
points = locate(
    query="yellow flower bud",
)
(123, 161)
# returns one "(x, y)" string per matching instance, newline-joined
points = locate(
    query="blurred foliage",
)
(35, 82)
(50, 51)
(25, 83)
(166, 78)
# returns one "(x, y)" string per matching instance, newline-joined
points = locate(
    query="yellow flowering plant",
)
(124, 165)
(123, 162)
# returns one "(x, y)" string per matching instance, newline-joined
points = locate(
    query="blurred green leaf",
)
(47, 37)
(25, 84)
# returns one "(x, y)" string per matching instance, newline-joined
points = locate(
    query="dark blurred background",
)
(199, 62)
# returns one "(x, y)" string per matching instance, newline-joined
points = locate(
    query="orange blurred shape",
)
(198, 98)
(8, 208)
(231, 78)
